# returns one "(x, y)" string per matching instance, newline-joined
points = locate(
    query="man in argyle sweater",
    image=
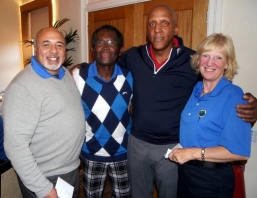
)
(106, 98)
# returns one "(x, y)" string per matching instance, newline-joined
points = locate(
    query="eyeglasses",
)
(111, 43)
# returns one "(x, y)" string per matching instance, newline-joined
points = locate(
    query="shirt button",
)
(189, 114)
(197, 104)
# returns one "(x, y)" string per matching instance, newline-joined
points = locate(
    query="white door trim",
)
(214, 16)
(93, 5)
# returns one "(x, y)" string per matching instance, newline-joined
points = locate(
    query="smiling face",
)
(106, 50)
(161, 28)
(50, 49)
(212, 65)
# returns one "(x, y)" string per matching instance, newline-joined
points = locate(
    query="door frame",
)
(213, 17)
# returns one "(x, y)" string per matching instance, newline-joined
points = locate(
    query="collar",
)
(215, 92)
(92, 71)
(177, 41)
(41, 71)
(156, 63)
(177, 45)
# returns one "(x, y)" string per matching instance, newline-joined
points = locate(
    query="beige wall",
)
(39, 20)
(10, 41)
(239, 21)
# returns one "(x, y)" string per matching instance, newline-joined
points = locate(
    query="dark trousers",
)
(72, 178)
(202, 182)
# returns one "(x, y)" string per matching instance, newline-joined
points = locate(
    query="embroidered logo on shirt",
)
(201, 114)
(178, 50)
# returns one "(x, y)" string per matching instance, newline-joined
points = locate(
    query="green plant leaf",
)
(71, 36)
(67, 62)
(28, 42)
(59, 23)
(71, 49)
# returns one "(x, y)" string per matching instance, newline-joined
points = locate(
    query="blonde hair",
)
(226, 47)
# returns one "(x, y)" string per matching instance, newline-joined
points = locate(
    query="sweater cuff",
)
(45, 191)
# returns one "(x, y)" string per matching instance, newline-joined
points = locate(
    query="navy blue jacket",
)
(159, 99)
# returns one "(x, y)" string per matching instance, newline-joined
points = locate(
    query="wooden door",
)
(131, 21)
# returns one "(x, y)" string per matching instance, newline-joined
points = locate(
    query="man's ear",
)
(35, 51)
(121, 51)
(176, 30)
(91, 49)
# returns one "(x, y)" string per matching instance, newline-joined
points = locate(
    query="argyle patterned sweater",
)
(106, 106)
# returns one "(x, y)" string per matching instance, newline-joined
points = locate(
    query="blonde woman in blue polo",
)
(211, 134)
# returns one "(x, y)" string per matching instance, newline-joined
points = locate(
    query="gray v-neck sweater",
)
(44, 128)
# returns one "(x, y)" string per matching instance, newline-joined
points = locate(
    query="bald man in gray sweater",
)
(44, 120)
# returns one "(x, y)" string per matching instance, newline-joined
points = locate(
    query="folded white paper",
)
(64, 189)
(166, 155)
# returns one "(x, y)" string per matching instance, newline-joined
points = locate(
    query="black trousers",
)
(72, 178)
(202, 182)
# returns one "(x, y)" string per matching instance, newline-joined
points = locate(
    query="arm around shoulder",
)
(248, 112)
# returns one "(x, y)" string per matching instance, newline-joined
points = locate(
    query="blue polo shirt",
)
(41, 71)
(218, 124)
(92, 71)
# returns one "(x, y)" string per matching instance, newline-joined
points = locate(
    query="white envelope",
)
(64, 189)
(166, 155)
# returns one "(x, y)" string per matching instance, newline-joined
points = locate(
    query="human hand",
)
(182, 155)
(52, 194)
(248, 112)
